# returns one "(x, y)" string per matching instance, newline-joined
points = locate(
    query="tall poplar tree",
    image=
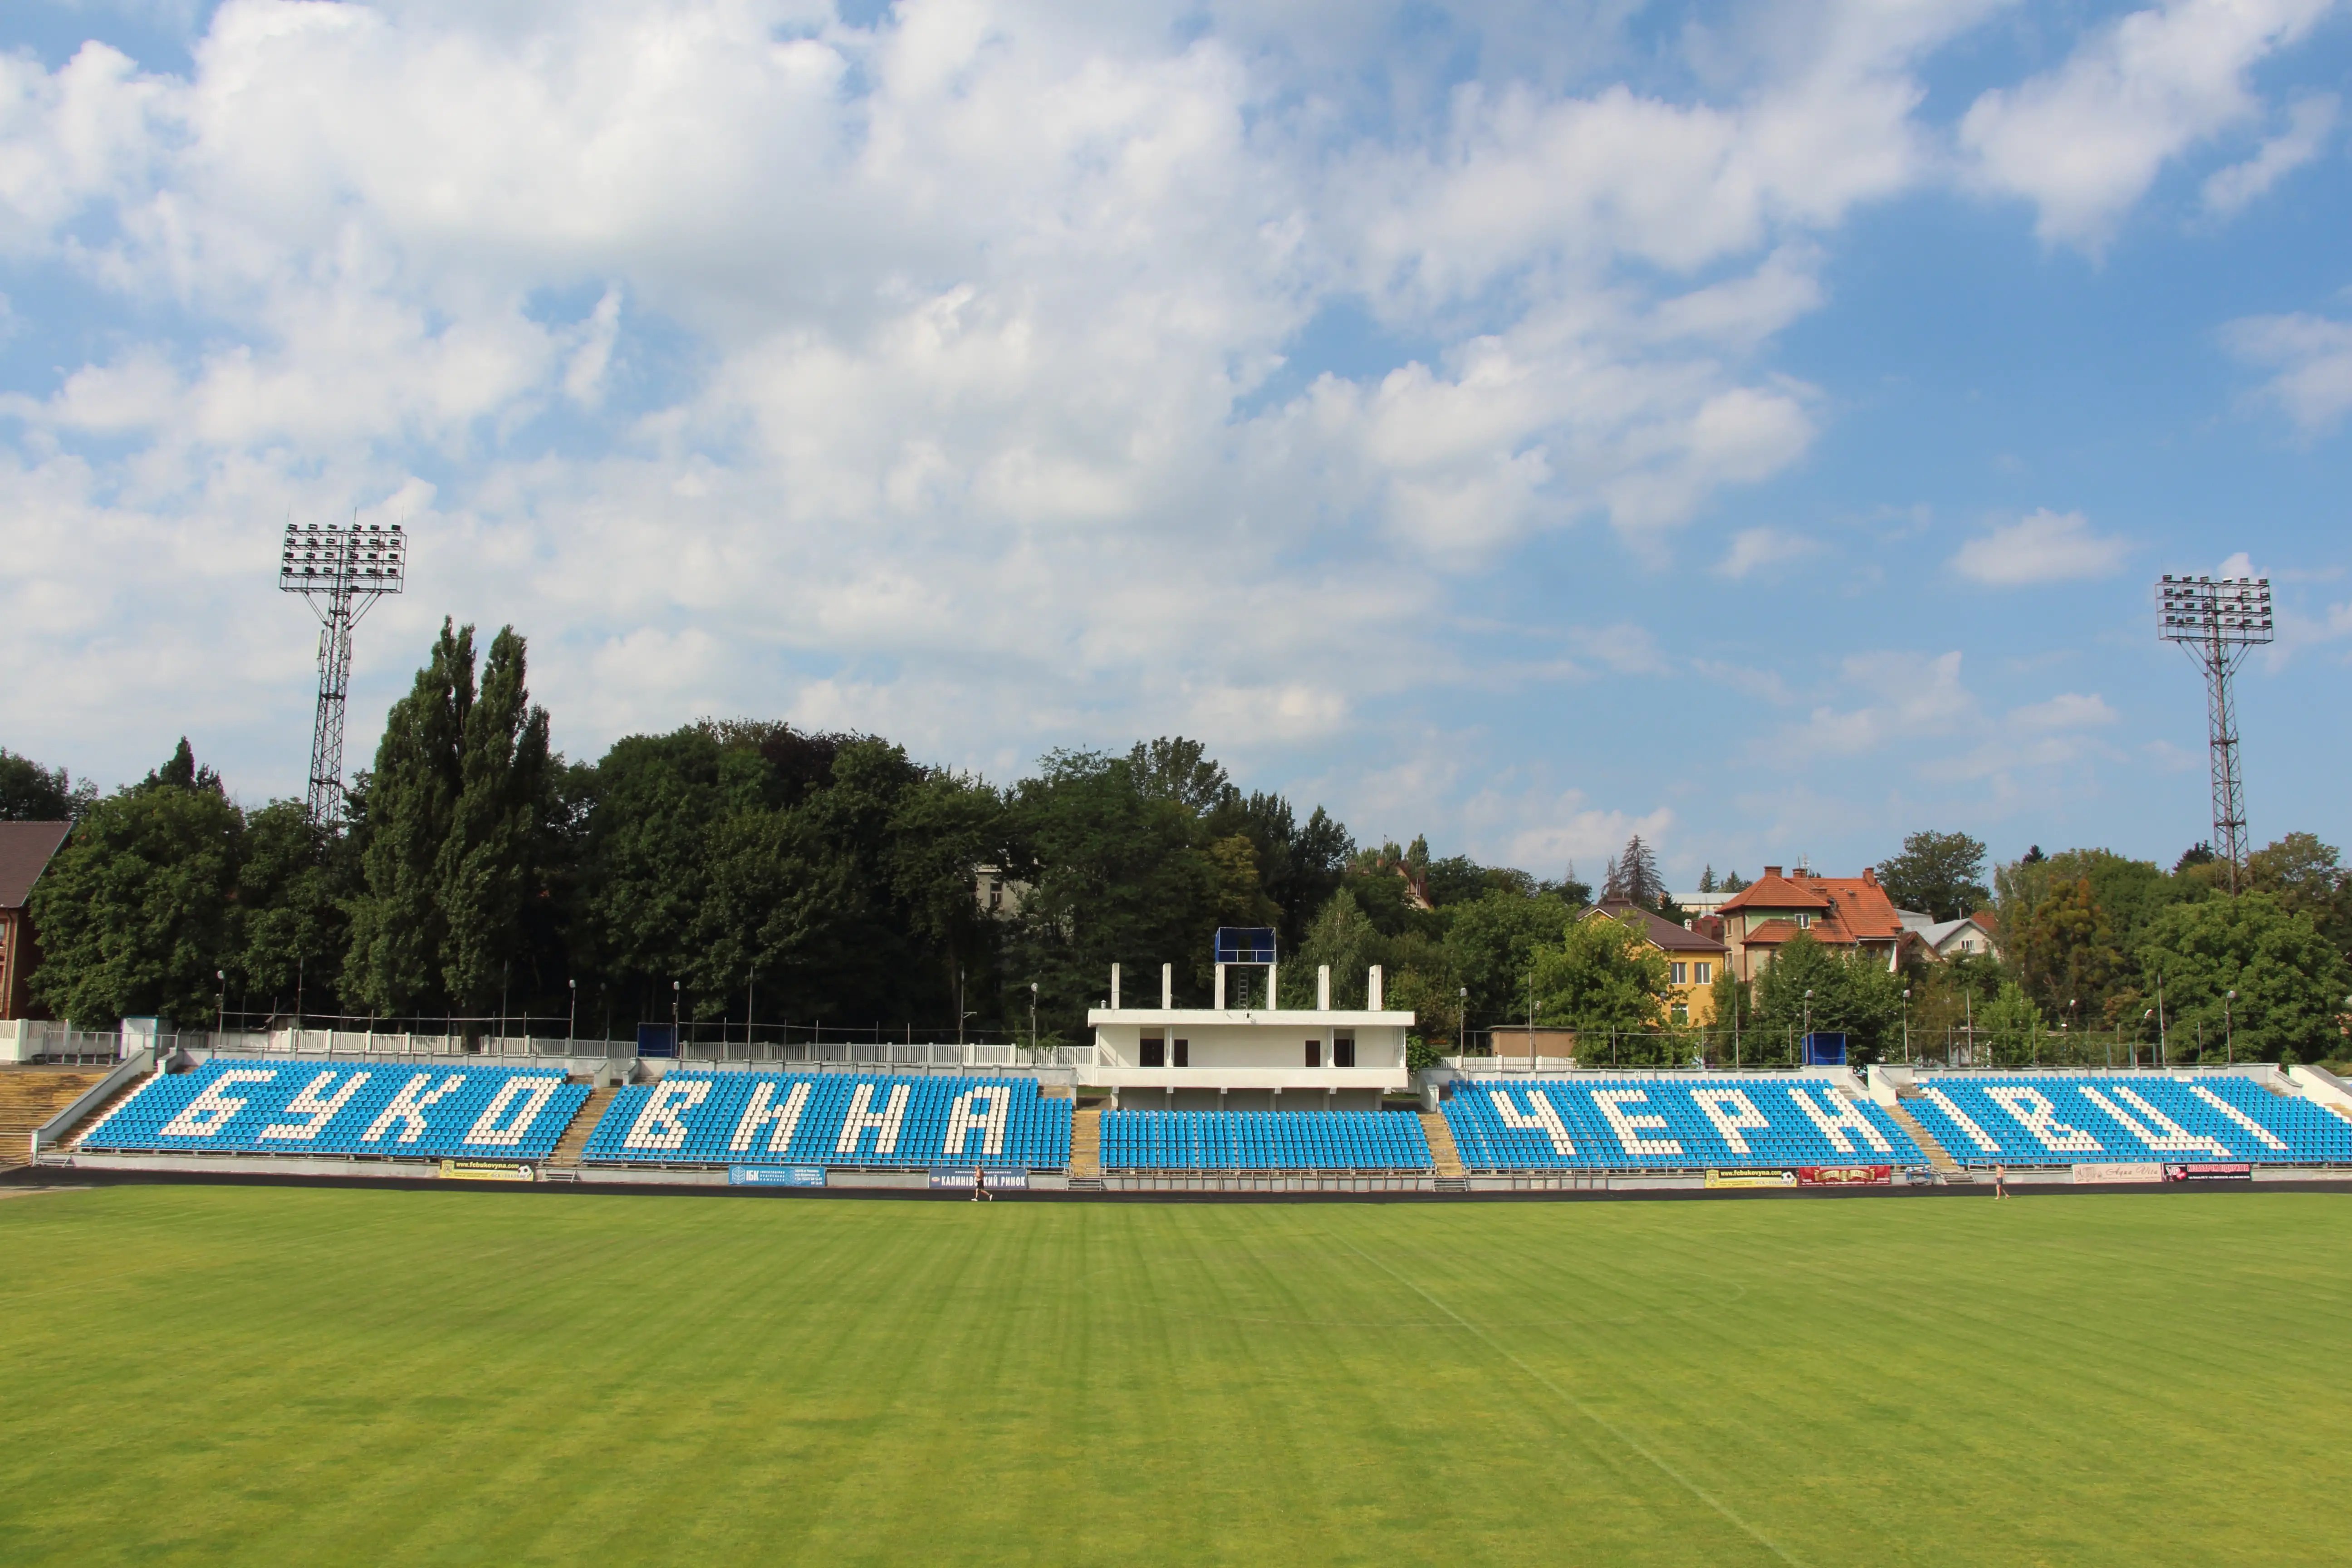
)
(455, 810)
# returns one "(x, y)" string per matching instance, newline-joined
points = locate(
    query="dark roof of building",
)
(1664, 933)
(25, 851)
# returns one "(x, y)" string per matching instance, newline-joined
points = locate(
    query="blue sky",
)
(1758, 425)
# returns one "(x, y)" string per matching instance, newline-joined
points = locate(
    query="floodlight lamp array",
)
(2211, 609)
(370, 558)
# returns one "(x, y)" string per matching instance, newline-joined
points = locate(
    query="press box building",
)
(1236, 1056)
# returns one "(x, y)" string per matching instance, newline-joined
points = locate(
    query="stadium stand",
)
(2065, 1119)
(1262, 1141)
(29, 1097)
(1714, 1120)
(707, 1118)
(247, 1106)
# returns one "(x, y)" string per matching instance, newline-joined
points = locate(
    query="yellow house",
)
(1692, 961)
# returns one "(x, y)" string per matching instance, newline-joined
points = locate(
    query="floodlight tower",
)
(342, 571)
(2217, 620)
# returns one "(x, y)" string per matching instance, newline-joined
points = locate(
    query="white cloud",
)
(920, 375)
(2313, 358)
(2068, 710)
(1911, 696)
(2045, 546)
(2084, 142)
(1753, 548)
(2310, 122)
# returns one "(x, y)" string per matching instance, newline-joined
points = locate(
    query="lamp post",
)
(673, 1041)
(2163, 1054)
(1032, 1017)
(220, 1007)
(571, 1028)
(2144, 1018)
(1809, 1021)
(2229, 1032)
(1906, 1024)
(1462, 1022)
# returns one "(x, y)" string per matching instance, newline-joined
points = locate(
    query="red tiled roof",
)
(1861, 906)
(1664, 933)
(1774, 892)
(1772, 933)
(1849, 909)
(25, 851)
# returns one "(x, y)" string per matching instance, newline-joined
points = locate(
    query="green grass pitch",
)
(281, 1376)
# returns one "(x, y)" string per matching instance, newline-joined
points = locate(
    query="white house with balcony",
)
(1237, 1056)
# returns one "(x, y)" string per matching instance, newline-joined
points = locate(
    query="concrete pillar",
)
(1273, 995)
(1372, 988)
(1167, 987)
(1323, 988)
(1114, 987)
(1220, 988)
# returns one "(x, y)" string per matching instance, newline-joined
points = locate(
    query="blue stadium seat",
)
(709, 1118)
(1262, 1141)
(397, 1110)
(2132, 1118)
(1688, 1121)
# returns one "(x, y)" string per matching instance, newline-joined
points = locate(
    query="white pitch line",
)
(1627, 1438)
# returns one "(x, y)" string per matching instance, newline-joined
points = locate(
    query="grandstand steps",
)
(1086, 1143)
(1442, 1148)
(1936, 1155)
(568, 1147)
(28, 1098)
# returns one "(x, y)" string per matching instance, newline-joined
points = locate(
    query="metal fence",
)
(886, 1057)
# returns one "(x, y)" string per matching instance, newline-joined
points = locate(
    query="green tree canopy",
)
(31, 793)
(1938, 874)
(1854, 993)
(459, 808)
(2291, 983)
(136, 911)
(1603, 976)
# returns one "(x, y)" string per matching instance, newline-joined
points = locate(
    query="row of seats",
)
(1721, 1120)
(1262, 1141)
(245, 1105)
(707, 1118)
(2066, 1119)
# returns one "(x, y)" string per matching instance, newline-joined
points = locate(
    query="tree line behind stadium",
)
(759, 877)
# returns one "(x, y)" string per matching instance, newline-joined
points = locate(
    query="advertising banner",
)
(2088, 1175)
(960, 1176)
(1845, 1175)
(775, 1175)
(486, 1171)
(2209, 1172)
(1751, 1178)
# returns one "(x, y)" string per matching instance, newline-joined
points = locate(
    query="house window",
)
(1155, 1051)
(1681, 972)
(1682, 1012)
(996, 896)
(1804, 922)
(1315, 1053)
(1343, 1051)
(1706, 972)
(1183, 1053)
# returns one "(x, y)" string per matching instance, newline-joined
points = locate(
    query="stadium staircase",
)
(1938, 1155)
(1086, 1143)
(1442, 1147)
(28, 1098)
(576, 1137)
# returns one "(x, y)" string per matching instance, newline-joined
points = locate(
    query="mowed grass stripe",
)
(228, 1374)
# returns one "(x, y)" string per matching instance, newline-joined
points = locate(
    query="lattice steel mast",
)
(2216, 621)
(342, 571)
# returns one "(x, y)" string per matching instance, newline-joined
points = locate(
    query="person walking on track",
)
(2001, 1181)
(980, 1184)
